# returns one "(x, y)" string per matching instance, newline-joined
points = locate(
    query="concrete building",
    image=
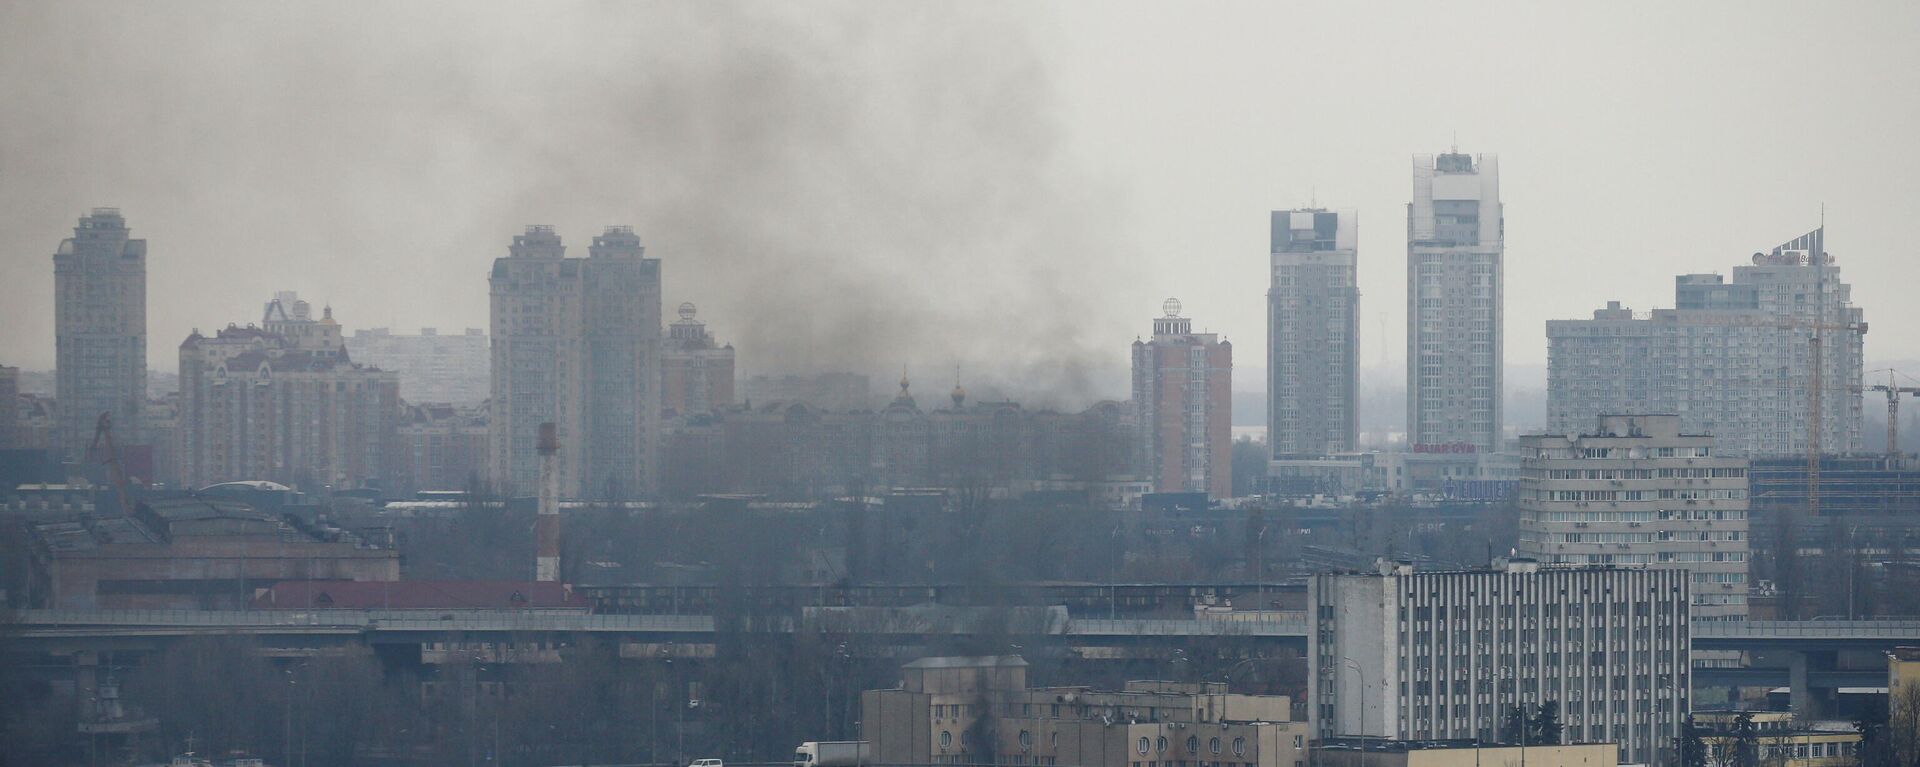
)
(1732, 359)
(191, 554)
(1636, 490)
(1455, 476)
(696, 374)
(100, 327)
(1313, 334)
(441, 447)
(576, 342)
(9, 409)
(979, 710)
(1354, 752)
(1780, 739)
(1183, 403)
(283, 401)
(1406, 655)
(433, 367)
(1455, 250)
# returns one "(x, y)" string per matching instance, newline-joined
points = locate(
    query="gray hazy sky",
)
(1007, 189)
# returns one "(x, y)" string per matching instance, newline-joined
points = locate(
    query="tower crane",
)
(1893, 390)
(103, 437)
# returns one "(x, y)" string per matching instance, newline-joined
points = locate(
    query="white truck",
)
(832, 753)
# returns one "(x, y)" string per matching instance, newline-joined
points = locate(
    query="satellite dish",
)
(1171, 306)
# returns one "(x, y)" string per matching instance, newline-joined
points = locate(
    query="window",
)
(1026, 740)
(1213, 744)
(1239, 746)
(1142, 745)
(1160, 746)
(946, 740)
(1193, 744)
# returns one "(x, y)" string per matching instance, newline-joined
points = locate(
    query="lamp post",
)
(1358, 669)
(1260, 565)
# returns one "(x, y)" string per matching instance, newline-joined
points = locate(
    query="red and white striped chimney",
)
(546, 525)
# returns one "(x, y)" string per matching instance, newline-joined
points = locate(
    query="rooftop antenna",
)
(1456, 141)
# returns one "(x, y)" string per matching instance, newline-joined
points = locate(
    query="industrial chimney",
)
(546, 525)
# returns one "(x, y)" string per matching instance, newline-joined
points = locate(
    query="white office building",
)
(1455, 246)
(1407, 655)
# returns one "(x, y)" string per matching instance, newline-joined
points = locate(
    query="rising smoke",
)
(855, 187)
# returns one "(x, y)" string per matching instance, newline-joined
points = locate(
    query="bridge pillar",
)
(1807, 701)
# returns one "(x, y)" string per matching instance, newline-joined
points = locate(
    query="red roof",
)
(417, 595)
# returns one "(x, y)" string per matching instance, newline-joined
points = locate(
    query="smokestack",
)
(546, 525)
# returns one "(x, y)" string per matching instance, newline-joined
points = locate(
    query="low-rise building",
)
(1354, 752)
(1777, 739)
(191, 553)
(979, 710)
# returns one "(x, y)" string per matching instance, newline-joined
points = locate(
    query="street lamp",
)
(1358, 669)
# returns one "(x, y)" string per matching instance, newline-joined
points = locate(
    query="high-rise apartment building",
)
(433, 366)
(1183, 403)
(1635, 490)
(1733, 359)
(576, 342)
(1455, 250)
(100, 327)
(282, 401)
(1407, 655)
(1313, 334)
(9, 407)
(696, 373)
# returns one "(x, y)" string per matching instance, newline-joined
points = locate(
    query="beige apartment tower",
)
(576, 342)
(100, 331)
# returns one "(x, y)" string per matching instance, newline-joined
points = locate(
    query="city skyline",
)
(330, 235)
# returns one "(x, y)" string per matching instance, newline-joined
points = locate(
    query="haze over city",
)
(881, 384)
(868, 186)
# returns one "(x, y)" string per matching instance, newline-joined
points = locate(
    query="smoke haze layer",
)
(858, 187)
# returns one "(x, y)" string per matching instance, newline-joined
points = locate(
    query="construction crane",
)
(1893, 390)
(1816, 392)
(103, 437)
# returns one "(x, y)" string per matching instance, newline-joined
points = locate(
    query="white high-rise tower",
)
(1455, 245)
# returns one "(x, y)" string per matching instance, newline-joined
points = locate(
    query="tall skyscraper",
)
(1733, 359)
(576, 342)
(1408, 655)
(282, 401)
(1183, 400)
(100, 326)
(1313, 334)
(1635, 490)
(9, 408)
(1455, 248)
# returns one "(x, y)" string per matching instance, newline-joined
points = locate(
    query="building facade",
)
(100, 327)
(441, 447)
(1638, 491)
(433, 367)
(1313, 334)
(696, 374)
(1734, 359)
(576, 342)
(1405, 655)
(1455, 254)
(979, 710)
(10, 437)
(282, 401)
(1183, 403)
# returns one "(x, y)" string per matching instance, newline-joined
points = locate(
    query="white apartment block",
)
(433, 367)
(1455, 246)
(1313, 334)
(1638, 491)
(1733, 359)
(1408, 655)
